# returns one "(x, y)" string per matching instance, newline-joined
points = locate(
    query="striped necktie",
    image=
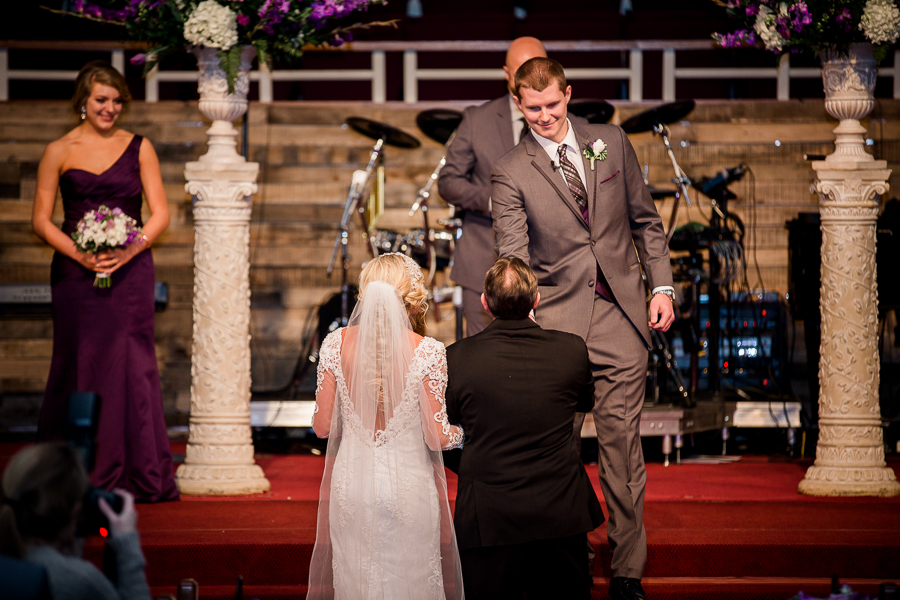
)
(573, 179)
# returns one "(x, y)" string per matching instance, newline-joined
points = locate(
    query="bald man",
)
(486, 133)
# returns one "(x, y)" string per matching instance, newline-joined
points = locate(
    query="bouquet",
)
(276, 28)
(101, 230)
(827, 27)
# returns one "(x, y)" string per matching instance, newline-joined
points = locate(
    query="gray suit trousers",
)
(618, 357)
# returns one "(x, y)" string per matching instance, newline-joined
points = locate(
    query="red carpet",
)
(733, 531)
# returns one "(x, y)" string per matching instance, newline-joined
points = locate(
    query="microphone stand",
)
(351, 206)
(681, 179)
(422, 197)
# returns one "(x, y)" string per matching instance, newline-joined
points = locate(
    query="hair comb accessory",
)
(412, 267)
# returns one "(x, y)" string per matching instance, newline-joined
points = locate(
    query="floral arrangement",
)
(101, 230)
(278, 29)
(827, 27)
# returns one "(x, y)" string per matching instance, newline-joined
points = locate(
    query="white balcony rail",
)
(633, 73)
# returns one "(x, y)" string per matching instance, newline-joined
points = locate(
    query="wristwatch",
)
(669, 293)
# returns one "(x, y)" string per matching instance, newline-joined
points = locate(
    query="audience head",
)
(101, 94)
(404, 274)
(520, 50)
(42, 491)
(510, 289)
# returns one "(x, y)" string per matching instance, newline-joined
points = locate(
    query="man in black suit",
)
(524, 502)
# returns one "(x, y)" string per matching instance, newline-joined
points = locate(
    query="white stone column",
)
(220, 449)
(850, 182)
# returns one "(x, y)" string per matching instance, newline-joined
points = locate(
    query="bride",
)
(384, 528)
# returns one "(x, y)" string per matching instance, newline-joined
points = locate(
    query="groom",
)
(570, 201)
(524, 502)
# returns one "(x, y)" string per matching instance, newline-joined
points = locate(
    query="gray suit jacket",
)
(537, 220)
(484, 135)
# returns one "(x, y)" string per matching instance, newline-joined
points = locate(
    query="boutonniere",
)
(595, 151)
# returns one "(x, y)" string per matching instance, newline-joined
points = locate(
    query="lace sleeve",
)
(435, 382)
(326, 383)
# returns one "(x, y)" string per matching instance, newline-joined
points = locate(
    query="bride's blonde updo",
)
(404, 274)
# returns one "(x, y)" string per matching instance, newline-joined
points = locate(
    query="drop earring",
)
(83, 112)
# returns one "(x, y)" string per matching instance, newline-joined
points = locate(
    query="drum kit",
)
(432, 245)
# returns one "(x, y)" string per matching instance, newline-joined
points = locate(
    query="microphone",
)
(357, 182)
(722, 179)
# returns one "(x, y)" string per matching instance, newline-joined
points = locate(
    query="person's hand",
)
(89, 261)
(111, 261)
(662, 312)
(123, 522)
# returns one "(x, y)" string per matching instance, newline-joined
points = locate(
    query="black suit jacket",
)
(515, 388)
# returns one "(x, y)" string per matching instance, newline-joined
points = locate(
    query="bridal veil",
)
(385, 529)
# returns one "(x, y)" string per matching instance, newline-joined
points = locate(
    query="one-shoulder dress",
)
(103, 342)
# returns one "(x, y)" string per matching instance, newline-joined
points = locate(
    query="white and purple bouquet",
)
(827, 27)
(102, 230)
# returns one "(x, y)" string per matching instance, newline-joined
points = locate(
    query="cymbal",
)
(660, 193)
(438, 123)
(595, 111)
(661, 115)
(377, 130)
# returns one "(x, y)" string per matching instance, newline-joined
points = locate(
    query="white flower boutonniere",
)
(595, 151)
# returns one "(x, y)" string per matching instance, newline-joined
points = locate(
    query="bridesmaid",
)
(103, 337)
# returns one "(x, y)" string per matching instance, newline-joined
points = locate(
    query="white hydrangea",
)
(211, 25)
(765, 28)
(880, 22)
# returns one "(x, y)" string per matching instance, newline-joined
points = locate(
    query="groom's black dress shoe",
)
(626, 588)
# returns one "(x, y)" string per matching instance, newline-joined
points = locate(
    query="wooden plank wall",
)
(307, 157)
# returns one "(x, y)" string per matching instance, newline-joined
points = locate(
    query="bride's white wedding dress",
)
(385, 530)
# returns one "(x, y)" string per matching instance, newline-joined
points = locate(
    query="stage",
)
(726, 531)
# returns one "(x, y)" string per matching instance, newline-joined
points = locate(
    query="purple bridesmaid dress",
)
(103, 342)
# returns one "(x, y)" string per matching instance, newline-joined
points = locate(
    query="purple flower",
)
(117, 211)
(741, 37)
(92, 11)
(243, 20)
(273, 11)
(844, 18)
(323, 10)
(78, 6)
(752, 10)
(801, 16)
(138, 59)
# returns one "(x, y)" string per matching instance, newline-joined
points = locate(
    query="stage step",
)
(657, 588)
(692, 546)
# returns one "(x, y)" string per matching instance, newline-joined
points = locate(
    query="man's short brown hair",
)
(539, 72)
(510, 289)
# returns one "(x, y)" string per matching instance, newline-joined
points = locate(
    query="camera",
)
(81, 427)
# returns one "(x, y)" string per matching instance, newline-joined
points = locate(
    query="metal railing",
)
(632, 74)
